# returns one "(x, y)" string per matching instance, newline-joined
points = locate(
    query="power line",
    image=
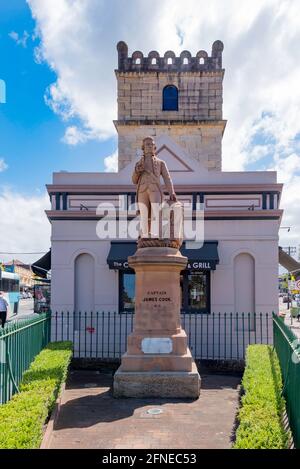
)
(19, 253)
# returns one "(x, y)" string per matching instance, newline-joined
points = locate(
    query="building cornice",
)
(208, 215)
(96, 189)
(201, 73)
(171, 122)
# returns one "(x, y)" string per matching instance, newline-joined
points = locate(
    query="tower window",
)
(170, 98)
(201, 61)
(154, 62)
(170, 61)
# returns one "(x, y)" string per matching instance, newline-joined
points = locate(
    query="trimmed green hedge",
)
(260, 417)
(23, 417)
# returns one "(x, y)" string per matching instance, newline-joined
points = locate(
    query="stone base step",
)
(173, 384)
(157, 362)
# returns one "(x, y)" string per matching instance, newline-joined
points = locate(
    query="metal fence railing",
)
(288, 350)
(20, 342)
(219, 336)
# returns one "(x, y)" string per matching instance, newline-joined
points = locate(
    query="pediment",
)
(174, 162)
(181, 165)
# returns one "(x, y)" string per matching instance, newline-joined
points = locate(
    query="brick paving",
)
(90, 417)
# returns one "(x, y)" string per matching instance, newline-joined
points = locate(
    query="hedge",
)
(23, 417)
(262, 405)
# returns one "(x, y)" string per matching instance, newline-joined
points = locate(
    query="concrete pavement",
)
(25, 310)
(292, 323)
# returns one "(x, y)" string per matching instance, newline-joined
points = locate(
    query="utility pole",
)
(290, 250)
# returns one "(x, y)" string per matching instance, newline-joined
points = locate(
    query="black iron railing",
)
(215, 336)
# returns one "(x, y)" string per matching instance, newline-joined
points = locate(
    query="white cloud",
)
(261, 57)
(24, 226)
(74, 135)
(20, 40)
(111, 163)
(3, 165)
(288, 169)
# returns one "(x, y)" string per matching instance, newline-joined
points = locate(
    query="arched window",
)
(170, 98)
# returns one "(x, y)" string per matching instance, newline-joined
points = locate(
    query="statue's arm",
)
(137, 173)
(167, 179)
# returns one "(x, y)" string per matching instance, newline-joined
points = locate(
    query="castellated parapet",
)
(196, 122)
(184, 63)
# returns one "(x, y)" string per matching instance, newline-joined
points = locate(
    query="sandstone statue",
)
(150, 197)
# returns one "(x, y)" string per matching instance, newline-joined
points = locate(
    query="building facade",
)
(178, 101)
(24, 272)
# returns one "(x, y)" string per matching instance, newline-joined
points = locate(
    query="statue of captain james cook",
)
(147, 173)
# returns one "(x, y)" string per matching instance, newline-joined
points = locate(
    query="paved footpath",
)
(293, 324)
(90, 417)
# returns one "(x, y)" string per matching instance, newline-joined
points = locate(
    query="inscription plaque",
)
(157, 345)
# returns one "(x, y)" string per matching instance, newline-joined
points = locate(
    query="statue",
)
(158, 362)
(150, 197)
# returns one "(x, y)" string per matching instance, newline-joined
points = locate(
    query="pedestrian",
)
(3, 309)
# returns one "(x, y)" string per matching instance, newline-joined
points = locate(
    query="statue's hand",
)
(173, 197)
(139, 167)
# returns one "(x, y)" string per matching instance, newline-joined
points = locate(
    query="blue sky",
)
(66, 50)
(30, 132)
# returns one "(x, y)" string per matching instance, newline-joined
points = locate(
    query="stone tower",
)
(176, 96)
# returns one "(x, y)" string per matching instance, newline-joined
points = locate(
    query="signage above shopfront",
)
(204, 258)
(199, 266)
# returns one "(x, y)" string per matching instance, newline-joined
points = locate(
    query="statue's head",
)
(148, 146)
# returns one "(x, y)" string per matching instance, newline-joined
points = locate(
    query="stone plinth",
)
(177, 384)
(158, 362)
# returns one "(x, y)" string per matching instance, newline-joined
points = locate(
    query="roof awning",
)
(118, 254)
(288, 262)
(200, 258)
(42, 265)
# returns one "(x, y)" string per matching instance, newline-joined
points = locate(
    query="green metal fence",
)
(20, 342)
(288, 350)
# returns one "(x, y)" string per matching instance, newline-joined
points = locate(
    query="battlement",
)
(169, 62)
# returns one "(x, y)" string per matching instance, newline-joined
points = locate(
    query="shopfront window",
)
(194, 289)
(197, 291)
(127, 291)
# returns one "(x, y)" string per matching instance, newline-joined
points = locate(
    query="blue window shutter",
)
(170, 98)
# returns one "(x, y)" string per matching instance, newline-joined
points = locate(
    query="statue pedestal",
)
(158, 362)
